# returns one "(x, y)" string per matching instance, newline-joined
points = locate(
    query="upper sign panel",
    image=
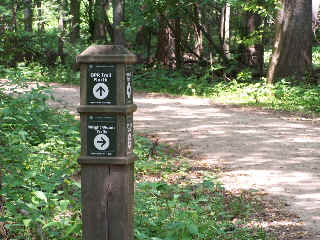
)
(101, 84)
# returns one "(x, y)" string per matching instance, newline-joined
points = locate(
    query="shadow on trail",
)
(261, 150)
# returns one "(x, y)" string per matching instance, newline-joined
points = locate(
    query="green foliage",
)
(25, 46)
(35, 72)
(38, 156)
(176, 206)
(284, 95)
(38, 152)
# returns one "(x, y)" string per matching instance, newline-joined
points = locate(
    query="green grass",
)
(38, 151)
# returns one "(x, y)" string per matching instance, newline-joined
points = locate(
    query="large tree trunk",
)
(75, 23)
(292, 55)
(165, 46)
(254, 53)
(28, 15)
(118, 17)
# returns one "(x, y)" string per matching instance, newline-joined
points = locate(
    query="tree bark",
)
(99, 20)
(118, 17)
(225, 29)
(28, 15)
(61, 27)
(315, 9)
(292, 54)
(177, 43)
(75, 23)
(14, 16)
(165, 46)
(255, 53)
(40, 17)
(198, 44)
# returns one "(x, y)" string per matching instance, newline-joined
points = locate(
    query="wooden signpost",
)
(107, 158)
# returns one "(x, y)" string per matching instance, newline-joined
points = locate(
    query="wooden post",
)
(107, 158)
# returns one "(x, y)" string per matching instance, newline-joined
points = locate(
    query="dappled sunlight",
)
(261, 150)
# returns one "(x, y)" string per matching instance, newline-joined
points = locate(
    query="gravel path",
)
(261, 150)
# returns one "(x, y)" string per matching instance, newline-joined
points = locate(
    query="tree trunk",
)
(177, 43)
(118, 17)
(225, 29)
(292, 54)
(40, 17)
(99, 20)
(28, 15)
(61, 28)
(255, 53)
(315, 9)
(14, 16)
(75, 23)
(165, 46)
(198, 41)
(109, 26)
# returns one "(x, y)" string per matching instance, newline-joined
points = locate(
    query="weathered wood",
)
(106, 54)
(107, 158)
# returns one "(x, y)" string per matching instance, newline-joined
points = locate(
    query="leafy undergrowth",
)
(243, 90)
(173, 201)
(38, 151)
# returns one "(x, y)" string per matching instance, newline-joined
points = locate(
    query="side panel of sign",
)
(101, 132)
(101, 84)
(129, 91)
(130, 141)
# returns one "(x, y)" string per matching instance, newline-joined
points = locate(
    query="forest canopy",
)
(222, 38)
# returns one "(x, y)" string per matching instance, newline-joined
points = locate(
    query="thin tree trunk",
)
(109, 27)
(255, 52)
(225, 29)
(292, 55)
(118, 17)
(40, 17)
(198, 46)
(28, 15)
(14, 16)
(177, 43)
(75, 23)
(61, 28)
(99, 20)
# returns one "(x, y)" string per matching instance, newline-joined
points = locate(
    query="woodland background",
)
(264, 53)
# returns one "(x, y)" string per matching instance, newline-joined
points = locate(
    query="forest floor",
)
(274, 154)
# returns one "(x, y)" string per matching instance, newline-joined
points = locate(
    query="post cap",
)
(107, 54)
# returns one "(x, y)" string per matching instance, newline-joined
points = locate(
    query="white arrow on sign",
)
(100, 91)
(101, 142)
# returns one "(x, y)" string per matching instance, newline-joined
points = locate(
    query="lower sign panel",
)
(101, 132)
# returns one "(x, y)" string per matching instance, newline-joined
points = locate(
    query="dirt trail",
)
(261, 150)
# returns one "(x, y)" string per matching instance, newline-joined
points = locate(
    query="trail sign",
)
(101, 132)
(107, 158)
(101, 84)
